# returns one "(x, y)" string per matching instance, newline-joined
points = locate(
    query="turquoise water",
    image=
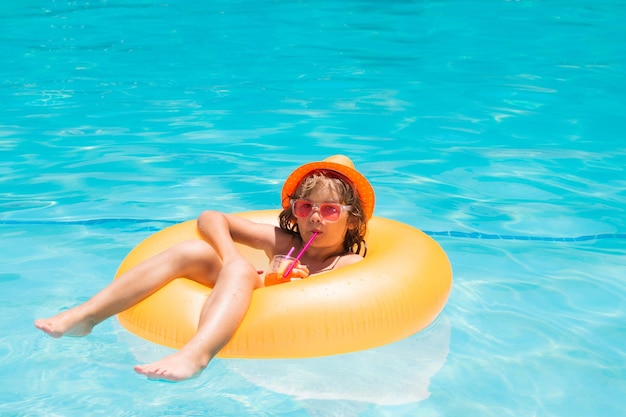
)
(495, 126)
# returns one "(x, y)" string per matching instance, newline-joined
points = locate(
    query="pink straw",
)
(293, 264)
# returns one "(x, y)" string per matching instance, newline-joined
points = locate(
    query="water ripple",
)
(157, 224)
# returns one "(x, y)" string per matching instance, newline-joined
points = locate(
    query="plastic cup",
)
(277, 267)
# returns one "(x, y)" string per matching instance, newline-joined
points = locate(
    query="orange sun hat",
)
(342, 165)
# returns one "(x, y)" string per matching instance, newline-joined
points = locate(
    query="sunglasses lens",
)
(330, 211)
(302, 208)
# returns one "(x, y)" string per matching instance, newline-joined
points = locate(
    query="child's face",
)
(330, 233)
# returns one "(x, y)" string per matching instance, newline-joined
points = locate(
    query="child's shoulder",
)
(284, 240)
(349, 259)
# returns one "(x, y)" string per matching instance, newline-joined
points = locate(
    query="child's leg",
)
(194, 259)
(221, 315)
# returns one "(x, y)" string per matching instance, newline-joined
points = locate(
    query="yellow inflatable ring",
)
(397, 290)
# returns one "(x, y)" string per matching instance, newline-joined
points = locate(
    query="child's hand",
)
(299, 271)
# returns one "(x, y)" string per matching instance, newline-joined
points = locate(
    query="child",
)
(329, 198)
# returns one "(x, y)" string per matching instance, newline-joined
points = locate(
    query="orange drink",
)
(277, 268)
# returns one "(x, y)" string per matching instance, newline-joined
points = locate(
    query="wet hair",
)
(357, 224)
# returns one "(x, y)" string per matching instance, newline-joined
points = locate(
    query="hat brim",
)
(358, 180)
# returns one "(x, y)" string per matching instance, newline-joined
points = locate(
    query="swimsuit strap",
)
(334, 264)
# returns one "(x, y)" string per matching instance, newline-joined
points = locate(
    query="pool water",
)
(494, 126)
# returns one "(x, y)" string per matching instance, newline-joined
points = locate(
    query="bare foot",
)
(66, 323)
(175, 367)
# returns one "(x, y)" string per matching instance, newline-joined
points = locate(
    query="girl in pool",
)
(328, 198)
